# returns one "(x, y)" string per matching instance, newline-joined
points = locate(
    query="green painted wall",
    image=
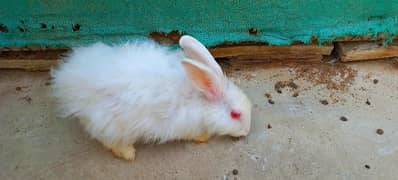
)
(51, 22)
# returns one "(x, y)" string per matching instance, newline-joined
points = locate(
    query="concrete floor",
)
(299, 137)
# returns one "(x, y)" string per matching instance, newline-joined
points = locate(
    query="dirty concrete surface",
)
(309, 122)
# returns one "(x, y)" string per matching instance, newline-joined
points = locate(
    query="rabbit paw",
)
(124, 152)
(203, 138)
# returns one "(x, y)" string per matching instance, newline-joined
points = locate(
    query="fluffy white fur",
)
(140, 91)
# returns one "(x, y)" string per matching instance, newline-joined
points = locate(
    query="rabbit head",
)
(228, 108)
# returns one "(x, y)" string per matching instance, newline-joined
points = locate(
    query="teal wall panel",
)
(280, 22)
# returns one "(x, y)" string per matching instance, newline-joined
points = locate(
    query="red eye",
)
(235, 115)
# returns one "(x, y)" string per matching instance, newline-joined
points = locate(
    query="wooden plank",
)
(40, 54)
(369, 37)
(33, 48)
(265, 50)
(357, 51)
(36, 60)
(31, 65)
(280, 58)
(230, 51)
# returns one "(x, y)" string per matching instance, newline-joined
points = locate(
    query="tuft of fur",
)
(140, 91)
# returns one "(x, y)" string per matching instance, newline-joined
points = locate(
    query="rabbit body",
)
(138, 91)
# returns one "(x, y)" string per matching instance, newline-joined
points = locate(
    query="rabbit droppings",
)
(144, 92)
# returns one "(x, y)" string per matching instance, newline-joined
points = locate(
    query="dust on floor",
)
(309, 122)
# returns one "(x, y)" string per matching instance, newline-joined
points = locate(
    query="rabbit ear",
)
(197, 51)
(204, 79)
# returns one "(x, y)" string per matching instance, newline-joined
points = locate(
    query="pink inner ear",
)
(210, 89)
(235, 115)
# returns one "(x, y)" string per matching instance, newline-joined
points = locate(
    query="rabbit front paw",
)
(124, 152)
(203, 138)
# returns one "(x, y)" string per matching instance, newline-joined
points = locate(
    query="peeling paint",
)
(3, 28)
(166, 38)
(253, 31)
(43, 25)
(212, 22)
(75, 27)
(22, 29)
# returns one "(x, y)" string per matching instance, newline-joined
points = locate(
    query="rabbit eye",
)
(235, 115)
